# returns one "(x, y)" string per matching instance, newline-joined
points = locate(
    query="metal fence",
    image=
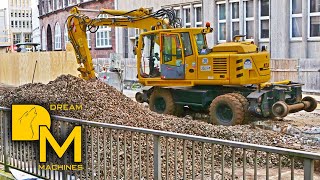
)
(121, 152)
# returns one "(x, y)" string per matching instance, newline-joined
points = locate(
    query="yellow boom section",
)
(78, 23)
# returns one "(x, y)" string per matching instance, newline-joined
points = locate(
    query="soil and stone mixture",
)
(103, 103)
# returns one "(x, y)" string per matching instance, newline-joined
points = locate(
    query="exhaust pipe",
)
(281, 109)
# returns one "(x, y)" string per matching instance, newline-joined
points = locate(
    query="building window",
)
(57, 37)
(296, 18)
(88, 34)
(126, 42)
(222, 21)
(235, 21)
(49, 6)
(23, 24)
(66, 37)
(186, 16)
(264, 19)
(27, 37)
(55, 5)
(12, 24)
(198, 15)
(44, 40)
(70, 2)
(16, 38)
(136, 32)
(249, 19)
(103, 35)
(314, 18)
(177, 12)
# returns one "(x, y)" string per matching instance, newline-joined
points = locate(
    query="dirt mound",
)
(104, 103)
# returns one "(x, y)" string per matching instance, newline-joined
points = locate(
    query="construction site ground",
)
(298, 124)
(304, 125)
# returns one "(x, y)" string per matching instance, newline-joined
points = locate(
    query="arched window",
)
(44, 39)
(66, 38)
(57, 37)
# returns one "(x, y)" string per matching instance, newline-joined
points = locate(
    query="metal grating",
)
(219, 66)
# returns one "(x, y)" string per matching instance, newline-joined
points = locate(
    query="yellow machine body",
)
(192, 75)
(234, 63)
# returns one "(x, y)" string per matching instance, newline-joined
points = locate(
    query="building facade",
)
(54, 35)
(36, 37)
(4, 38)
(20, 20)
(289, 28)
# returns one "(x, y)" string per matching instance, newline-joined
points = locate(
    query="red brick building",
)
(53, 15)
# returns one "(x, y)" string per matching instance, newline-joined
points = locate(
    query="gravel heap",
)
(104, 103)
(4, 89)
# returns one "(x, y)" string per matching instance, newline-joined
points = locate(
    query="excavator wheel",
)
(313, 103)
(161, 101)
(226, 110)
(245, 104)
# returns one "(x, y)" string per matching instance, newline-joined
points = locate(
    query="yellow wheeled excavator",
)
(228, 81)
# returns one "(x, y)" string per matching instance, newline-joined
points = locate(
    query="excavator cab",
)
(162, 56)
(178, 50)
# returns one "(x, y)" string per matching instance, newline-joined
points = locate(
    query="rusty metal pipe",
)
(296, 107)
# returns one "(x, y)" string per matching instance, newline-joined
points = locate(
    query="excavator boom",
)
(78, 23)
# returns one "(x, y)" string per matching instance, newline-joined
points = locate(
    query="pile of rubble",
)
(5, 88)
(103, 103)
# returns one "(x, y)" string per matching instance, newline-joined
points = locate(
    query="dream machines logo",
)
(32, 123)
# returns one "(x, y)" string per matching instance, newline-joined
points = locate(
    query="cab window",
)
(171, 48)
(201, 43)
(186, 43)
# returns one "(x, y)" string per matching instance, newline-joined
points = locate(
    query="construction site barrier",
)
(20, 68)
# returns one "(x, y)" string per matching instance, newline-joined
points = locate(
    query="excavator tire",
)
(226, 110)
(245, 104)
(161, 101)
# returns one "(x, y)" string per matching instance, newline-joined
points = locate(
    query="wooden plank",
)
(310, 75)
(17, 68)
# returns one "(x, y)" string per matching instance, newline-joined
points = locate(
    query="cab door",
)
(172, 56)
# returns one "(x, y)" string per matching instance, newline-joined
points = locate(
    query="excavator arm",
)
(78, 23)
